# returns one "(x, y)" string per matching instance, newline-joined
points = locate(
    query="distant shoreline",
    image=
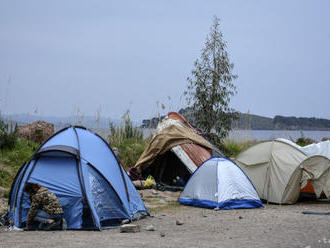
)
(245, 122)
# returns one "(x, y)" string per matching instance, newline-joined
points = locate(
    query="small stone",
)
(216, 209)
(240, 217)
(126, 221)
(129, 228)
(154, 192)
(150, 228)
(178, 222)
(162, 234)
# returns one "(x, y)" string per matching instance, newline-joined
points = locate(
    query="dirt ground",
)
(272, 226)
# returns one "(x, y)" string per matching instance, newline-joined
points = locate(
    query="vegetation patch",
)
(130, 150)
(11, 159)
(20, 153)
(5, 178)
(128, 140)
(232, 148)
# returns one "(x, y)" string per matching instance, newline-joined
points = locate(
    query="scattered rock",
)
(240, 217)
(116, 152)
(3, 206)
(162, 234)
(129, 228)
(150, 228)
(178, 222)
(154, 192)
(126, 221)
(139, 184)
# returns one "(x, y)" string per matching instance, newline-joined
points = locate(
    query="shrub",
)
(231, 148)
(12, 158)
(21, 152)
(130, 151)
(302, 141)
(128, 139)
(6, 178)
(8, 134)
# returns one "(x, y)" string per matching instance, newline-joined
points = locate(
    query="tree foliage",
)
(210, 87)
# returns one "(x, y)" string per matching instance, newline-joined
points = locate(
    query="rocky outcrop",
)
(37, 131)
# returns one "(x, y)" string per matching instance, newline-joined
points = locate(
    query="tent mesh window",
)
(106, 202)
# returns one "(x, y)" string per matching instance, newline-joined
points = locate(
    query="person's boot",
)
(52, 225)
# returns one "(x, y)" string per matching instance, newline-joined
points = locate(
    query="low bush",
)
(128, 140)
(130, 151)
(12, 158)
(19, 153)
(302, 141)
(8, 134)
(6, 178)
(232, 148)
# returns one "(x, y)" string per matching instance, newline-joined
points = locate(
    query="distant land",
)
(91, 122)
(245, 122)
(257, 122)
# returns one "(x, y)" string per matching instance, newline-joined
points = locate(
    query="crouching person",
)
(46, 212)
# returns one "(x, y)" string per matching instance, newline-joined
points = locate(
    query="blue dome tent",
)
(220, 183)
(82, 170)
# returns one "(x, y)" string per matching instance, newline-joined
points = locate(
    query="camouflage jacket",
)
(46, 201)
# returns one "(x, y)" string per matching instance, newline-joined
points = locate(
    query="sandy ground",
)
(272, 226)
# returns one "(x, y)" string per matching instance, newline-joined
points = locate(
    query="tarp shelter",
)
(176, 149)
(81, 169)
(220, 183)
(274, 169)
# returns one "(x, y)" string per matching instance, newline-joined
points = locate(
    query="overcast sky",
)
(109, 56)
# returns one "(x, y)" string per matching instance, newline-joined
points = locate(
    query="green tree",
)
(210, 87)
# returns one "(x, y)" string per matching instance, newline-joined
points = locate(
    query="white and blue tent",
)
(82, 170)
(220, 183)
